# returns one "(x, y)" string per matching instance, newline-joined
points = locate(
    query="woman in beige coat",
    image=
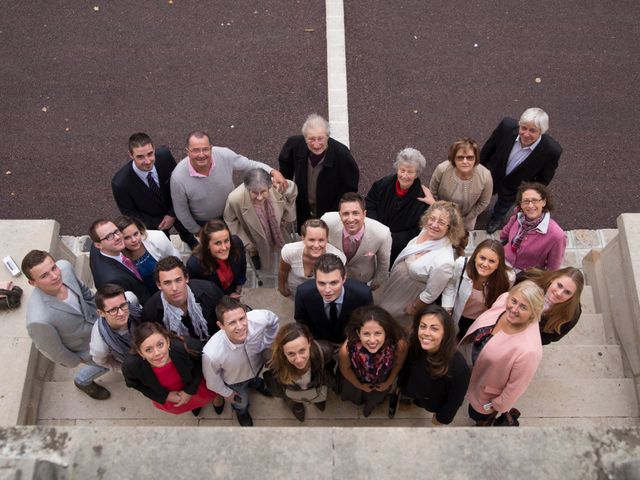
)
(261, 216)
(462, 180)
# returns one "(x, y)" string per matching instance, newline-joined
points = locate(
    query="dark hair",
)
(351, 197)
(282, 369)
(559, 313)
(543, 190)
(202, 252)
(328, 262)
(139, 140)
(107, 291)
(94, 226)
(498, 282)
(146, 329)
(227, 304)
(198, 134)
(313, 223)
(465, 142)
(33, 259)
(167, 264)
(124, 221)
(392, 330)
(437, 364)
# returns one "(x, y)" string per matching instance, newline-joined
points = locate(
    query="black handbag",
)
(10, 298)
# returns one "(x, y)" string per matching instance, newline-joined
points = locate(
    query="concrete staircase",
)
(581, 382)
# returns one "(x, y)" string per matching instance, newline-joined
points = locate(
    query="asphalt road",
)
(77, 81)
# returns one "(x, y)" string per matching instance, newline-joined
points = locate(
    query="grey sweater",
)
(204, 198)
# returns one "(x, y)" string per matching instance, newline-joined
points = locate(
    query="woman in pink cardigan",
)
(531, 237)
(505, 351)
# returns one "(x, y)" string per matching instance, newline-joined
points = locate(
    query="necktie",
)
(353, 247)
(153, 186)
(333, 313)
(126, 261)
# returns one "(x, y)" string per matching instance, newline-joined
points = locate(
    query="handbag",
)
(10, 297)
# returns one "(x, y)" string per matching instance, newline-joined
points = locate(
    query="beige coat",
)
(477, 197)
(371, 261)
(243, 221)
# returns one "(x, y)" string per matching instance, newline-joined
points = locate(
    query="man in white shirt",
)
(60, 315)
(233, 357)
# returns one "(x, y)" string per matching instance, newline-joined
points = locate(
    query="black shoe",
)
(95, 391)
(394, 398)
(298, 410)
(219, 408)
(263, 389)
(196, 411)
(244, 419)
(493, 226)
(368, 408)
(321, 405)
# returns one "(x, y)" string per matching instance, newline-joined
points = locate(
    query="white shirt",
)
(519, 154)
(226, 363)
(143, 175)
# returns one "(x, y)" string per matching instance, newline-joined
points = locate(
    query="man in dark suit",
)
(325, 304)
(141, 187)
(107, 262)
(323, 168)
(519, 151)
(190, 304)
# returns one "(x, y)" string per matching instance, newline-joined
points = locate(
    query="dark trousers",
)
(501, 208)
(185, 235)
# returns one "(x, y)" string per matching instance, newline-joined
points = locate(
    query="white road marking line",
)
(337, 71)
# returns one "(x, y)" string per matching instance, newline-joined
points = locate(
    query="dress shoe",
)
(219, 408)
(298, 410)
(493, 226)
(95, 391)
(321, 405)
(244, 419)
(368, 408)
(196, 411)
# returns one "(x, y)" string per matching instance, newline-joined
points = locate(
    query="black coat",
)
(540, 165)
(340, 174)
(309, 309)
(108, 270)
(207, 295)
(238, 267)
(133, 196)
(138, 373)
(400, 214)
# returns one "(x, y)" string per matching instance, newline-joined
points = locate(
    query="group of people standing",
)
(386, 304)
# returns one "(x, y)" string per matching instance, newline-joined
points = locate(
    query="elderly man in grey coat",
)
(60, 315)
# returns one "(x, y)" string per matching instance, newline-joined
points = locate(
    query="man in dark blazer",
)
(181, 295)
(323, 169)
(107, 262)
(136, 195)
(325, 303)
(517, 152)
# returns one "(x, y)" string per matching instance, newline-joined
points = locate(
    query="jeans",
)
(88, 373)
(242, 389)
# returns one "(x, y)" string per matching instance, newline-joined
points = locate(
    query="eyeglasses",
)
(532, 201)
(441, 223)
(123, 307)
(315, 139)
(111, 235)
(470, 158)
(199, 151)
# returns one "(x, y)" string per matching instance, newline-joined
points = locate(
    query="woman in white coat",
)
(424, 267)
(261, 216)
(144, 247)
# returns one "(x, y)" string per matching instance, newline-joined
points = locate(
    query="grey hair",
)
(257, 178)
(411, 156)
(538, 117)
(315, 120)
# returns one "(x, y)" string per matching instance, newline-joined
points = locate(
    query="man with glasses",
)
(202, 181)
(111, 333)
(108, 263)
(60, 316)
(517, 152)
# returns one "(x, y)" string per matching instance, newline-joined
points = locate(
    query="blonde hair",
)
(534, 296)
(456, 231)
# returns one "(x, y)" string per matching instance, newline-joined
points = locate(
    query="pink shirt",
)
(194, 173)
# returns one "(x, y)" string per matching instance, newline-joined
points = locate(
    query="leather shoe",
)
(263, 389)
(368, 408)
(95, 391)
(493, 226)
(321, 405)
(298, 410)
(219, 408)
(196, 411)
(244, 419)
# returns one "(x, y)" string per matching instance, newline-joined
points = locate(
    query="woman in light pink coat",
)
(505, 351)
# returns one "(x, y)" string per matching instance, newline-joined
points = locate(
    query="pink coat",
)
(506, 365)
(542, 250)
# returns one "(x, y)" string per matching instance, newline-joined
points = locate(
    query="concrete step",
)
(581, 361)
(587, 301)
(588, 331)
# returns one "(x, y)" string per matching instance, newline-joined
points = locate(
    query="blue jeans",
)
(89, 373)
(242, 389)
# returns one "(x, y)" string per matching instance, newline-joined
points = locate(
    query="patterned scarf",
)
(371, 368)
(269, 223)
(524, 228)
(173, 318)
(118, 344)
